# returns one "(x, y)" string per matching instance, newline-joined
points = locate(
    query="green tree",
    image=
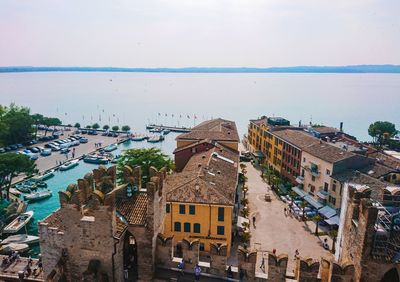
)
(38, 119)
(16, 125)
(51, 121)
(125, 128)
(96, 126)
(88, 126)
(115, 128)
(333, 234)
(77, 125)
(12, 164)
(145, 158)
(303, 206)
(317, 219)
(106, 127)
(381, 129)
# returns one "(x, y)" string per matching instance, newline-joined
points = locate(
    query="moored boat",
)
(20, 239)
(26, 186)
(15, 192)
(155, 139)
(37, 196)
(13, 247)
(43, 177)
(17, 224)
(93, 159)
(69, 165)
(138, 138)
(110, 148)
(166, 131)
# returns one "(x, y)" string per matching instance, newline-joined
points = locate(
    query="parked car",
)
(45, 152)
(7, 149)
(92, 132)
(83, 140)
(2, 150)
(27, 151)
(84, 131)
(34, 150)
(65, 150)
(55, 148)
(19, 146)
(13, 147)
(33, 156)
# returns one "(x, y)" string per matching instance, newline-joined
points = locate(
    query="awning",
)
(333, 220)
(259, 154)
(241, 220)
(322, 195)
(313, 202)
(299, 192)
(327, 211)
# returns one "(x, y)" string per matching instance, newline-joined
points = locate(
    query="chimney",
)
(341, 126)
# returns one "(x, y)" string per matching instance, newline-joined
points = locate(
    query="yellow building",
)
(220, 130)
(201, 198)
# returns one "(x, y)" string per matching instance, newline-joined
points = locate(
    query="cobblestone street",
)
(274, 230)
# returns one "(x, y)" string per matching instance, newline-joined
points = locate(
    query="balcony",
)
(300, 179)
(315, 173)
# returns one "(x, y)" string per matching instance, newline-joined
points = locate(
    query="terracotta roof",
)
(120, 228)
(355, 177)
(385, 159)
(260, 121)
(376, 170)
(54, 220)
(298, 138)
(215, 129)
(209, 177)
(325, 129)
(192, 145)
(134, 210)
(327, 152)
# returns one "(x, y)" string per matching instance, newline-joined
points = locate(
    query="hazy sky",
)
(177, 33)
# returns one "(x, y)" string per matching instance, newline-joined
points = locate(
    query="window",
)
(332, 200)
(312, 177)
(312, 189)
(168, 208)
(202, 247)
(328, 172)
(302, 172)
(326, 187)
(333, 187)
(221, 215)
(192, 209)
(304, 160)
(220, 230)
(186, 227)
(194, 150)
(196, 228)
(177, 226)
(181, 209)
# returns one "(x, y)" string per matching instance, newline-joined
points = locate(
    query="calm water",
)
(63, 178)
(137, 98)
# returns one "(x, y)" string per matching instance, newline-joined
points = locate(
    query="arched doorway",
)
(130, 257)
(391, 276)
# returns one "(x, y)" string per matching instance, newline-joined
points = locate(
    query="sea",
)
(186, 99)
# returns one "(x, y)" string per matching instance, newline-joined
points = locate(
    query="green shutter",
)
(192, 209)
(196, 228)
(182, 209)
(221, 214)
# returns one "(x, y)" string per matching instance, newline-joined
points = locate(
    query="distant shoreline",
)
(297, 69)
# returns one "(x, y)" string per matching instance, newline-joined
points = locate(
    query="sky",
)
(184, 33)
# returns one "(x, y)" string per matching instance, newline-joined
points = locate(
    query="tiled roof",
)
(134, 210)
(327, 152)
(120, 228)
(355, 177)
(376, 170)
(263, 120)
(385, 159)
(54, 220)
(325, 129)
(298, 138)
(209, 177)
(215, 129)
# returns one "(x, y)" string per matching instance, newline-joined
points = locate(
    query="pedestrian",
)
(241, 275)
(229, 272)
(262, 266)
(197, 272)
(66, 156)
(254, 221)
(181, 266)
(285, 211)
(296, 254)
(126, 274)
(326, 246)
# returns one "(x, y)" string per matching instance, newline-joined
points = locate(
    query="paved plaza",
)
(274, 230)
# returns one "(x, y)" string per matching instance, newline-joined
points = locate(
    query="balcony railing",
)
(300, 179)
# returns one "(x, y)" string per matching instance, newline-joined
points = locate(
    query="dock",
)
(170, 128)
(15, 271)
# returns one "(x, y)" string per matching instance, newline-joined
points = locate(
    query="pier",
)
(16, 271)
(170, 128)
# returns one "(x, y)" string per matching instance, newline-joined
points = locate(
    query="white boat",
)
(69, 165)
(155, 139)
(21, 239)
(17, 224)
(37, 196)
(138, 138)
(13, 247)
(15, 192)
(43, 177)
(110, 148)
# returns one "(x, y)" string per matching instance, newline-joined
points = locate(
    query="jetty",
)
(16, 270)
(170, 128)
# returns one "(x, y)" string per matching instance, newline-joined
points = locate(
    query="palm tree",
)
(333, 234)
(303, 206)
(317, 218)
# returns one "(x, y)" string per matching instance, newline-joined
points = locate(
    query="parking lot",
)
(44, 163)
